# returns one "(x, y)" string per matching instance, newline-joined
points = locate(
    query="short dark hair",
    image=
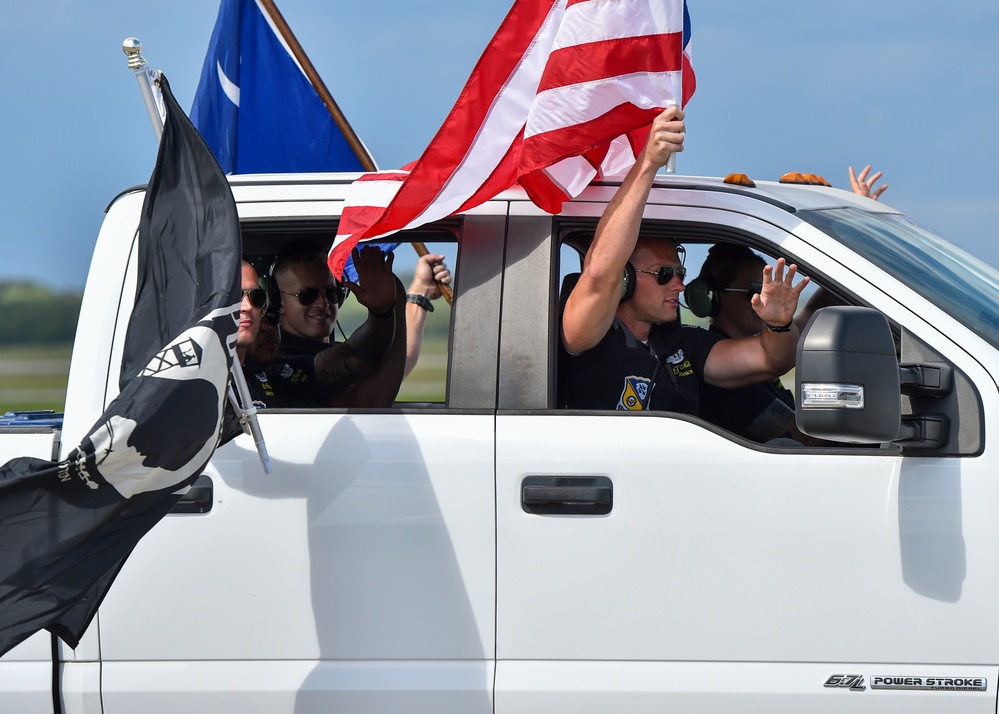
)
(298, 252)
(646, 238)
(724, 261)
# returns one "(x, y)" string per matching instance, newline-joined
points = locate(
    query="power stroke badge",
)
(855, 683)
(950, 684)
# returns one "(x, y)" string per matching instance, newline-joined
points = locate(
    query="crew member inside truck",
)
(324, 378)
(723, 292)
(310, 299)
(622, 346)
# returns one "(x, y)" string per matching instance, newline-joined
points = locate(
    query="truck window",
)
(731, 410)
(426, 382)
(957, 282)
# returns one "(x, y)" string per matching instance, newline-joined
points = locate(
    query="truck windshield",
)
(953, 280)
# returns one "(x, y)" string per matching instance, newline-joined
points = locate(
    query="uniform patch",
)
(633, 395)
(680, 364)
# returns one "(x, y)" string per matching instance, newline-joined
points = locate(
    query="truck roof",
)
(793, 196)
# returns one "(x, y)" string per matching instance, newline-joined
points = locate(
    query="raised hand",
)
(864, 186)
(778, 301)
(431, 272)
(375, 286)
(665, 136)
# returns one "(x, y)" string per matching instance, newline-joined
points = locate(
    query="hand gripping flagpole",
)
(153, 99)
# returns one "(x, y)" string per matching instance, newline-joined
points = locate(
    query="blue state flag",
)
(256, 108)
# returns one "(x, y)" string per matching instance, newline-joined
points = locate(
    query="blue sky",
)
(783, 85)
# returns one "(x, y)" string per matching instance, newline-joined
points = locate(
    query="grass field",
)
(427, 382)
(33, 377)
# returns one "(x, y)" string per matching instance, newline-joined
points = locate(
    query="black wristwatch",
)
(420, 300)
(779, 328)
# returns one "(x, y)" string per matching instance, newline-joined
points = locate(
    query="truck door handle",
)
(198, 498)
(577, 495)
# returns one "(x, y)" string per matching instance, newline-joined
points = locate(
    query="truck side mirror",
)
(847, 377)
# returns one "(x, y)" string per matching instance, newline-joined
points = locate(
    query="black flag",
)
(66, 528)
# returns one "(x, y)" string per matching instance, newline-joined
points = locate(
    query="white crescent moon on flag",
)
(228, 88)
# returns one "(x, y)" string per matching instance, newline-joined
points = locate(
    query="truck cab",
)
(483, 551)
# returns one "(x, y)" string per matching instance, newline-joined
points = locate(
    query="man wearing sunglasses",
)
(729, 278)
(622, 347)
(310, 299)
(765, 410)
(253, 300)
(302, 380)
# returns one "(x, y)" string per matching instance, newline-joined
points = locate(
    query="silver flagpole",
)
(153, 99)
(248, 415)
(671, 159)
(147, 83)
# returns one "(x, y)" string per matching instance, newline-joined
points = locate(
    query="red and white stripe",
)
(563, 93)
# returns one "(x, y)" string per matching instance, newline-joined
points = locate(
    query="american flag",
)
(564, 93)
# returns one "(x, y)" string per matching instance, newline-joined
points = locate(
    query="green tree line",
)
(34, 314)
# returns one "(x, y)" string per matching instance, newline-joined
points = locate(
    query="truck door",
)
(653, 562)
(358, 576)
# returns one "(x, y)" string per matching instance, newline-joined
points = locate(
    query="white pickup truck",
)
(489, 552)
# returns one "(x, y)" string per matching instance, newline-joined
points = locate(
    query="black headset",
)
(267, 284)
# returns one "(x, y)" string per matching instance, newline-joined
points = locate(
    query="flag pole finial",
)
(133, 50)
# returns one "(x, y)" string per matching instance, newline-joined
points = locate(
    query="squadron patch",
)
(633, 395)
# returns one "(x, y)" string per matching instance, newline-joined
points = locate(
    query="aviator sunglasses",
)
(753, 289)
(258, 296)
(666, 273)
(335, 294)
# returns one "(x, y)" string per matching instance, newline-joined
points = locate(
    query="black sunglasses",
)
(335, 294)
(753, 289)
(666, 273)
(258, 296)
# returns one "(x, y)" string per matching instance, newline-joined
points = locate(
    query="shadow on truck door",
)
(400, 539)
(359, 575)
